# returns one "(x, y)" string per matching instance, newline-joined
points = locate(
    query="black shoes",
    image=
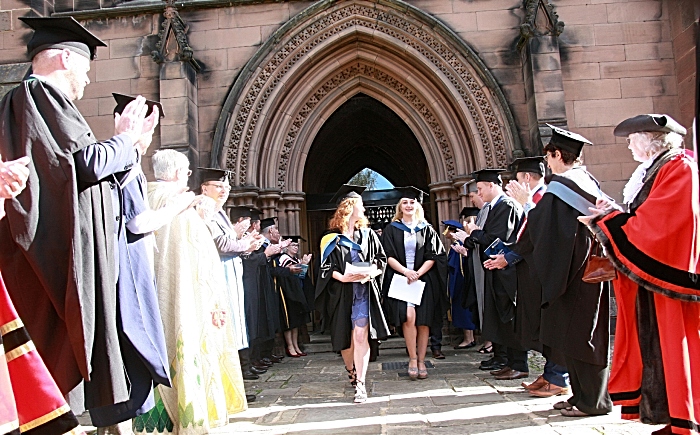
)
(257, 370)
(250, 376)
(250, 398)
(490, 364)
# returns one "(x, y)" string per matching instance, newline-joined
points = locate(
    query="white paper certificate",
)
(400, 289)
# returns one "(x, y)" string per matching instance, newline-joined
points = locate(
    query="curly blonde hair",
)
(340, 218)
(419, 216)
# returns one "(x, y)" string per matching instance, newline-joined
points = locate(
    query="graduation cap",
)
(60, 33)
(255, 214)
(452, 225)
(213, 174)
(567, 140)
(469, 211)
(295, 239)
(469, 187)
(268, 222)
(122, 100)
(649, 123)
(347, 191)
(377, 226)
(240, 211)
(488, 176)
(528, 164)
(411, 192)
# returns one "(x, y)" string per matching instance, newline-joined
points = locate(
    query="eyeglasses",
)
(629, 141)
(189, 172)
(219, 186)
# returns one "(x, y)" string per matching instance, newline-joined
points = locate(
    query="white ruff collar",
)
(634, 185)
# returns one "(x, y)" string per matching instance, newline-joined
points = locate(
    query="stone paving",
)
(311, 395)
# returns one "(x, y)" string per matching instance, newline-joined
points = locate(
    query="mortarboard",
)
(60, 33)
(412, 193)
(240, 211)
(567, 140)
(213, 174)
(649, 123)
(469, 211)
(347, 191)
(268, 222)
(452, 225)
(488, 176)
(255, 214)
(295, 239)
(122, 100)
(528, 164)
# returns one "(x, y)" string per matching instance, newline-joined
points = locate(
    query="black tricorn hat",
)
(488, 176)
(60, 33)
(567, 140)
(122, 100)
(412, 193)
(528, 164)
(240, 211)
(213, 174)
(649, 123)
(469, 211)
(347, 191)
(268, 222)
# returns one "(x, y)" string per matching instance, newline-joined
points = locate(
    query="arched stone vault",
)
(390, 51)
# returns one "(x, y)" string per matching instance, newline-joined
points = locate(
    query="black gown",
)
(334, 299)
(435, 301)
(261, 313)
(293, 307)
(575, 315)
(500, 285)
(59, 238)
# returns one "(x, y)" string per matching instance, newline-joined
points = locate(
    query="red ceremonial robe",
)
(656, 358)
(30, 401)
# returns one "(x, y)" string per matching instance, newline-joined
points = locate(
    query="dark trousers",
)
(244, 357)
(436, 335)
(262, 349)
(589, 385)
(513, 358)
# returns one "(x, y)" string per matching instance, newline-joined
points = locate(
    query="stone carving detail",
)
(395, 26)
(174, 24)
(540, 19)
(349, 73)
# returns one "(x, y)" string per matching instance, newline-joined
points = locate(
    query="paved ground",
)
(311, 395)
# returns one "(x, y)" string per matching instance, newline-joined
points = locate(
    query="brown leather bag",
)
(598, 268)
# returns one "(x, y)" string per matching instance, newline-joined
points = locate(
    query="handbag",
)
(598, 268)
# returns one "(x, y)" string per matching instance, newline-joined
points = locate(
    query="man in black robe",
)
(59, 238)
(500, 286)
(574, 325)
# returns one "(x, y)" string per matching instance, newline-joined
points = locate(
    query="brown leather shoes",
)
(512, 374)
(500, 371)
(539, 383)
(549, 390)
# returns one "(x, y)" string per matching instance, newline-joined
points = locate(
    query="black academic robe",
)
(574, 317)
(261, 320)
(334, 298)
(435, 300)
(500, 285)
(59, 237)
(292, 300)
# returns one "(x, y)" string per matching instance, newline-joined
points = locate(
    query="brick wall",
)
(619, 58)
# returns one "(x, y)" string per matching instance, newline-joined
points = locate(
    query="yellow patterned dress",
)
(202, 351)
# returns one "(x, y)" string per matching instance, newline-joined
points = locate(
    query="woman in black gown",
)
(414, 250)
(349, 302)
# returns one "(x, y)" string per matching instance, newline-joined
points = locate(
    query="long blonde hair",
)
(419, 216)
(340, 218)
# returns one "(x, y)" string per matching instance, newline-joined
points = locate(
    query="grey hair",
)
(166, 163)
(657, 142)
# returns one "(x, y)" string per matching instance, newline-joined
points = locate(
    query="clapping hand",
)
(13, 177)
(519, 192)
(306, 259)
(461, 250)
(131, 120)
(461, 235)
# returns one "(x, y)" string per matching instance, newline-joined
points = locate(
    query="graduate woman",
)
(414, 250)
(349, 302)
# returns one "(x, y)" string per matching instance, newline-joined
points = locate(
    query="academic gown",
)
(458, 268)
(261, 306)
(574, 322)
(141, 335)
(59, 238)
(435, 300)
(500, 285)
(334, 299)
(655, 363)
(294, 306)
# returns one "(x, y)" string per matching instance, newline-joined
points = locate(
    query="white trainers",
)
(360, 392)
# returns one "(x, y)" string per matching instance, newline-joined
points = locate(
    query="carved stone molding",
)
(175, 25)
(540, 19)
(402, 30)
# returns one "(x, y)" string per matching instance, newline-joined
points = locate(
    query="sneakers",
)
(360, 392)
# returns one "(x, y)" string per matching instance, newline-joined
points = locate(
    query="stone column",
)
(178, 95)
(443, 191)
(462, 198)
(269, 199)
(292, 212)
(544, 88)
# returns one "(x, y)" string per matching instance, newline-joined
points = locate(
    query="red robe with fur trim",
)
(655, 372)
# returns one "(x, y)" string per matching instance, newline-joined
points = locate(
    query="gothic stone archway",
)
(332, 51)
